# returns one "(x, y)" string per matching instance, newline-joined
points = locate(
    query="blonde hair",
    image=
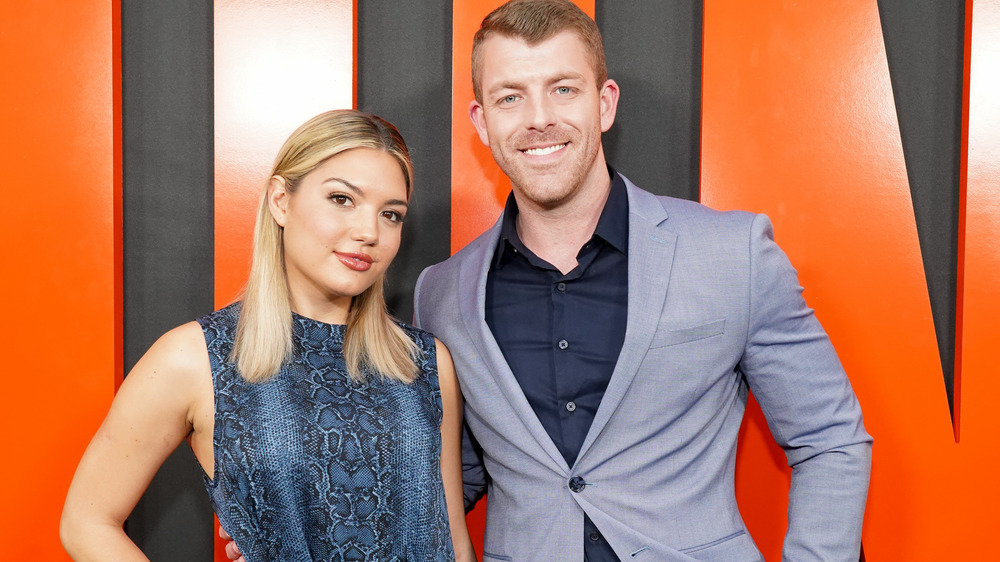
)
(535, 21)
(372, 341)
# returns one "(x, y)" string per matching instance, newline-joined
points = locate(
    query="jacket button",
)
(577, 484)
(571, 406)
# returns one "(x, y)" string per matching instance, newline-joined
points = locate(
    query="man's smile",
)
(542, 151)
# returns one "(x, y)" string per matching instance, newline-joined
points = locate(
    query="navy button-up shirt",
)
(561, 334)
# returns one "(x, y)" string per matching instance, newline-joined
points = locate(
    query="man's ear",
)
(277, 199)
(609, 104)
(478, 117)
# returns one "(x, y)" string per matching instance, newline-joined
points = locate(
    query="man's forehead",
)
(505, 55)
(564, 34)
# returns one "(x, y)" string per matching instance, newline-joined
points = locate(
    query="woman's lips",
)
(357, 262)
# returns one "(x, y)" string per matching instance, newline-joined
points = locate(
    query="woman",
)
(325, 429)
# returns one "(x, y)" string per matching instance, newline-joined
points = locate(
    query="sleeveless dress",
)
(311, 465)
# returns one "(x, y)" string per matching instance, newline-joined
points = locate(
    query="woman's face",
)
(341, 229)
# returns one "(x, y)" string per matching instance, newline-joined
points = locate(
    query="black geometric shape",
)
(924, 43)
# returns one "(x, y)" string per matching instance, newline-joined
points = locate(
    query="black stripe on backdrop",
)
(924, 45)
(653, 51)
(404, 75)
(168, 232)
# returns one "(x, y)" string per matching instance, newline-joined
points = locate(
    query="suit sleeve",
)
(811, 410)
(474, 475)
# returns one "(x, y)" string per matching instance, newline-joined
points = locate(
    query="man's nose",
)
(540, 114)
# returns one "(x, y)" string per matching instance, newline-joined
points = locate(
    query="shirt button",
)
(561, 287)
(577, 484)
(571, 406)
(563, 344)
(595, 536)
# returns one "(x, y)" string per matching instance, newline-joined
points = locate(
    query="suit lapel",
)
(472, 305)
(650, 258)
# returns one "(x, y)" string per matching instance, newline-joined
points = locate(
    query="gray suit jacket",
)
(713, 307)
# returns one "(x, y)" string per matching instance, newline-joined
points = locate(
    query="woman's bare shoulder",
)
(178, 359)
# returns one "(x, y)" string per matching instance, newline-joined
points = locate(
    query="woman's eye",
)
(393, 216)
(340, 199)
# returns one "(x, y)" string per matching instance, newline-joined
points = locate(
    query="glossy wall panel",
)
(276, 65)
(978, 387)
(61, 280)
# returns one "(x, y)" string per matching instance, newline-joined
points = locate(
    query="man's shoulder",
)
(684, 214)
(443, 276)
(451, 265)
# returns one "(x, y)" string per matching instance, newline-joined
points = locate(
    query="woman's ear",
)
(277, 199)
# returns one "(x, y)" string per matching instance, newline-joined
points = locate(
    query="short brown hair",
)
(535, 21)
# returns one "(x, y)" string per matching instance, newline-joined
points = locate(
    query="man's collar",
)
(612, 227)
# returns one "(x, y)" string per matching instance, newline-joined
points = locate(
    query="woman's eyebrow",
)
(360, 191)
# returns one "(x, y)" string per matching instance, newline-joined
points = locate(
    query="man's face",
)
(542, 116)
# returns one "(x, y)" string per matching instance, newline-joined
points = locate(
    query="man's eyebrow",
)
(566, 76)
(505, 86)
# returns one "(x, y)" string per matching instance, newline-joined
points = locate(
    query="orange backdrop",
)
(798, 122)
(60, 153)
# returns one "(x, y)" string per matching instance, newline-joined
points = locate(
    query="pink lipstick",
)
(357, 262)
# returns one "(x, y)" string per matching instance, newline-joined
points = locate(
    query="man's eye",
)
(508, 99)
(564, 89)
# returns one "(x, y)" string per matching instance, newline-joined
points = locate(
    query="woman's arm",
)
(451, 454)
(162, 400)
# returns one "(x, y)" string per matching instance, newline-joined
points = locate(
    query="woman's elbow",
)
(78, 532)
(71, 532)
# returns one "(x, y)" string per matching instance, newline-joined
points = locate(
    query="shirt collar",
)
(612, 226)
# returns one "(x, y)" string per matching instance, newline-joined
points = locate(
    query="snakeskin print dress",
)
(313, 466)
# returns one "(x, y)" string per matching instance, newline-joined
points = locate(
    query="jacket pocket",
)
(685, 335)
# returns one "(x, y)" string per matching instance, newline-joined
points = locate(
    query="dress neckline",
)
(309, 330)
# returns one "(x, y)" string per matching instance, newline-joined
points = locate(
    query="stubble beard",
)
(547, 188)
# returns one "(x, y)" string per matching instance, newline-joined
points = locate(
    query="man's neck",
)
(556, 234)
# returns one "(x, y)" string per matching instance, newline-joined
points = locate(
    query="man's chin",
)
(542, 193)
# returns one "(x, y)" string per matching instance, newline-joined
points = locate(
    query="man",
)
(605, 338)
